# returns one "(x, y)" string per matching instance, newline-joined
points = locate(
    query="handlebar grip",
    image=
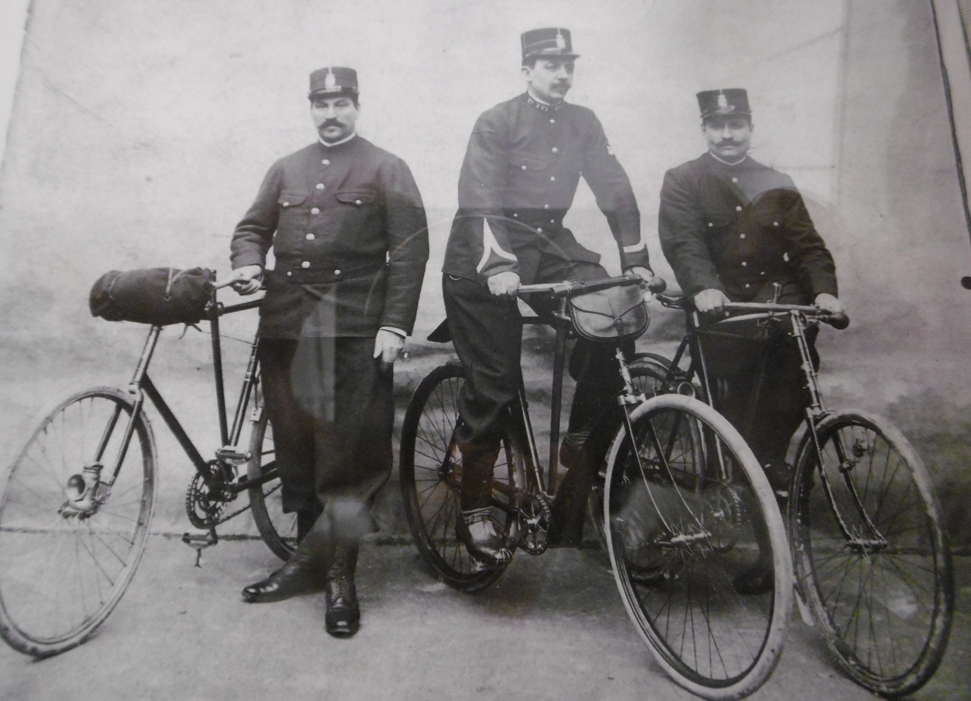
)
(657, 285)
(966, 282)
(838, 321)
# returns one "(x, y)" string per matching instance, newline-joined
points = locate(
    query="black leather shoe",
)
(293, 579)
(758, 579)
(302, 574)
(488, 548)
(343, 612)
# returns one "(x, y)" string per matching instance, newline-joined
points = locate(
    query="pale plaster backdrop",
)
(140, 132)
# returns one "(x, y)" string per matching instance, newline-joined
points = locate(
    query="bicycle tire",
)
(884, 603)
(277, 529)
(430, 469)
(648, 374)
(60, 577)
(679, 533)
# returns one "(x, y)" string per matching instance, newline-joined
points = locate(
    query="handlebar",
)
(838, 321)
(569, 288)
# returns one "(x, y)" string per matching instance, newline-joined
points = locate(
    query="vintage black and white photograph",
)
(485, 350)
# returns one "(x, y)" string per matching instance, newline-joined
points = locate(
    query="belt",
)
(326, 271)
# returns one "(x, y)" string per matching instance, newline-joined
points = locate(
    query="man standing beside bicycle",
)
(521, 170)
(735, 230)
(348, 229)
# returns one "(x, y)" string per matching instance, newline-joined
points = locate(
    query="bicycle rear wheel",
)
(689, 509)
(278, 529)
(430, 469)
(870, 552)
(62, 571)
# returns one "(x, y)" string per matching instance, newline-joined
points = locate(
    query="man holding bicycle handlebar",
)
(520, 174)
(736, 230)
(348, 229)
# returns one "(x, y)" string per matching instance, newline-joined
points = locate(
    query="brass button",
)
(286, 204)
(310, 237)
(710, 224)
(305, 264)
(775, 223)
(515, 215)
(553, 177)
(320, 186)
(357, 202)
(289, 273)
(325, 162)
(734, 180)
(738, 208)
(546, 206)
(742, 236)
(337, 272)
(524, 167)
(744, 264)
(556, 150)
(747, 285)
(539, 230)
(552, 121)
(315, 210)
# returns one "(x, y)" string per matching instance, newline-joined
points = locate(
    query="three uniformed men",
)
(348, 229)
(347, 226)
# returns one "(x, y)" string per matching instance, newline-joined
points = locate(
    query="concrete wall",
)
(140, 132)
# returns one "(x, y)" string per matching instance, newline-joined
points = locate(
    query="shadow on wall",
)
(941, 433)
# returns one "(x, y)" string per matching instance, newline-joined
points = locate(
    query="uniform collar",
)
(726, 163)
(543, 106)
(336, 143)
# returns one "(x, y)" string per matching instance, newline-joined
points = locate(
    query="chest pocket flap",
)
(356, 197)
(527, 163)
(289, 198)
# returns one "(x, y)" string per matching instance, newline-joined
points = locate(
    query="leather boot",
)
(343, 612)
(483, 543)
(303, 573)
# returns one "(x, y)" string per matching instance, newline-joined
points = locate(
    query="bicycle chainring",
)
(534, 523)
(204, 504)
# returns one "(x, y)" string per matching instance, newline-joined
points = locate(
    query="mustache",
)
(728, 142)
(331, 123)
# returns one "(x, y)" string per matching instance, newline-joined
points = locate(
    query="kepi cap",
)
(333, 80)
(549, 41)
(730, 101)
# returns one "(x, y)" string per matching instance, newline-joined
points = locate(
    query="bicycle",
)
(76, 503)
(670, 444)
(870, 556)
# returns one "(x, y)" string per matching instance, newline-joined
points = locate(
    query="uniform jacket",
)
(521, 171)
(350, 239)
(739, 229)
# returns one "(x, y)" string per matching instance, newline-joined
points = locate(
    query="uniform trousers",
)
(487, 334)
(332, 412)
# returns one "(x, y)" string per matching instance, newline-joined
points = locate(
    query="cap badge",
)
(722, 101)
(560, 41)
(329, 80)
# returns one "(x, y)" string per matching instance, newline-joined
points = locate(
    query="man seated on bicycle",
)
(733, 230)
(520, 174)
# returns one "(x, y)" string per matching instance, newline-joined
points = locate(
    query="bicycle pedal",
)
(234, 457)
(198, 540)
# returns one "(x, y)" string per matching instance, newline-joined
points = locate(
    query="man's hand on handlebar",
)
(246, 280)
(641, 272)
(504, 284)
(829, 303)
(710, 301)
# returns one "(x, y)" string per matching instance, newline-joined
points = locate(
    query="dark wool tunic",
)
(520, 174)
(739, 228)
(348, 230)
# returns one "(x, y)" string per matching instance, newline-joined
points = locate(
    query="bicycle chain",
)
(534, 515)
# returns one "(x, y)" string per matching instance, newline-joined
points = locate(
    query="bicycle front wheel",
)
(431, 477)
(870, 552)
(689, 510)
(278, 529)
(70, 537)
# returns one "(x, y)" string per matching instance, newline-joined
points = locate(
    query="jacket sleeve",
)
(254, 234)
(681, 227)
(807, 252)
(407, 230)
(615, 197)
(482, 182)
